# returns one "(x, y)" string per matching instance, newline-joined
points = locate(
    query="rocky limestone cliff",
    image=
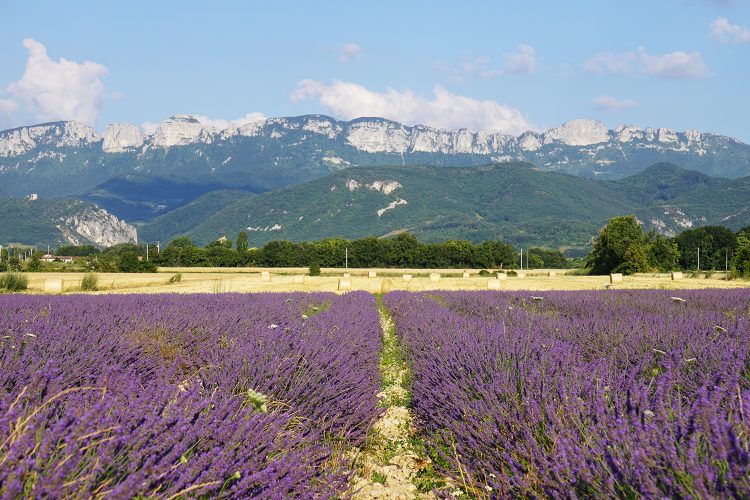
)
(181, 130)
(20, 140)
(121, 137)
(578, 133)
(371, 135)
(98, 226)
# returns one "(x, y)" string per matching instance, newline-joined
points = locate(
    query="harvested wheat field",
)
(221, 280)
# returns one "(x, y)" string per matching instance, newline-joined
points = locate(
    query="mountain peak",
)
(181, 130)
(578, 132)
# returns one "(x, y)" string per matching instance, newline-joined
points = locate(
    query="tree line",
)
(403, 250)
(622, 246)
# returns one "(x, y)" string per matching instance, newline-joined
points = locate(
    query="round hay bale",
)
(493, 284)
(345, 284)
(371, 274)
(434, 277)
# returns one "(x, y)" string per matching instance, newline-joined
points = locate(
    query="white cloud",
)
(609, 103)
(725, 32)
(515, 63)
(59, 90)
(675, 65)
(148, 128)
(521, 62)
(443, 109)
(349, 52)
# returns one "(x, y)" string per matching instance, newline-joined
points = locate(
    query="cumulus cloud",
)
(609, 103)
(350, 51)
(725, 32)
(522, 61)
(217, 123)
(442, 109)
(675, 65)
(59, 90)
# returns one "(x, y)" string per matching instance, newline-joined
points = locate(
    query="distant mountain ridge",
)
(70, 158)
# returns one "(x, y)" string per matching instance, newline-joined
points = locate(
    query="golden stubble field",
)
(223, 280)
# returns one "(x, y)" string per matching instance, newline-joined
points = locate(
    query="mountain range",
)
(290, 178)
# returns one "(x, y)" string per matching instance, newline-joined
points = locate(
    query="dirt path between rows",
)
(392, 464)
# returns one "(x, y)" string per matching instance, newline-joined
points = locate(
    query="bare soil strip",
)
(392, 464)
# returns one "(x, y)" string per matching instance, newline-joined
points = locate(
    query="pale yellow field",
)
(282, 280)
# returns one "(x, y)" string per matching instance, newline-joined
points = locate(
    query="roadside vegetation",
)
(620, 247)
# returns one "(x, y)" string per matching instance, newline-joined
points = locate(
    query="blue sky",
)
(504, 66)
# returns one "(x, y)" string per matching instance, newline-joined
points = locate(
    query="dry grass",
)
(283, 280)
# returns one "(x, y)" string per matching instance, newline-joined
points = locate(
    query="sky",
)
(493, 65)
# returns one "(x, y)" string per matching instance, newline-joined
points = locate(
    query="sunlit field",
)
(219, 280)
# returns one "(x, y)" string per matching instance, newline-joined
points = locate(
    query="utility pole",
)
(699, 259)
(346, 257)
(726, 260)
(146, 250)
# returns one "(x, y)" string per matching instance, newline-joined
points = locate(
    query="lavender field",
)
(229, 395)
(566, 394)
(619, 393)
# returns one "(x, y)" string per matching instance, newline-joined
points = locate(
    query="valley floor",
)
(220, 280)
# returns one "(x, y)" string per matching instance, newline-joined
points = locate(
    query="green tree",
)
(128, 263)
(551, 259)
(663, 253)
(534, 261)
(620, 245)
(715, 243)
(314, 268)
(76, 250)
(742, 255)
(221, 243)
(241, 243)
(14, 263)
(34, 263)
(221, 256)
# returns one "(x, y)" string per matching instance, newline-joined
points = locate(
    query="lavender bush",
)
(231, 395)
(579, 394)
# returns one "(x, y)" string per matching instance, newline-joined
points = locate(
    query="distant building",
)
(32, 197)
(52, 258)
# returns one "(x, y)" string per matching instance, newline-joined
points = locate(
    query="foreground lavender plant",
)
(235, 395)
(613, 393)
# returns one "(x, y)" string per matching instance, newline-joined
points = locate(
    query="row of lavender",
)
(238, 395)
(614, 393)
